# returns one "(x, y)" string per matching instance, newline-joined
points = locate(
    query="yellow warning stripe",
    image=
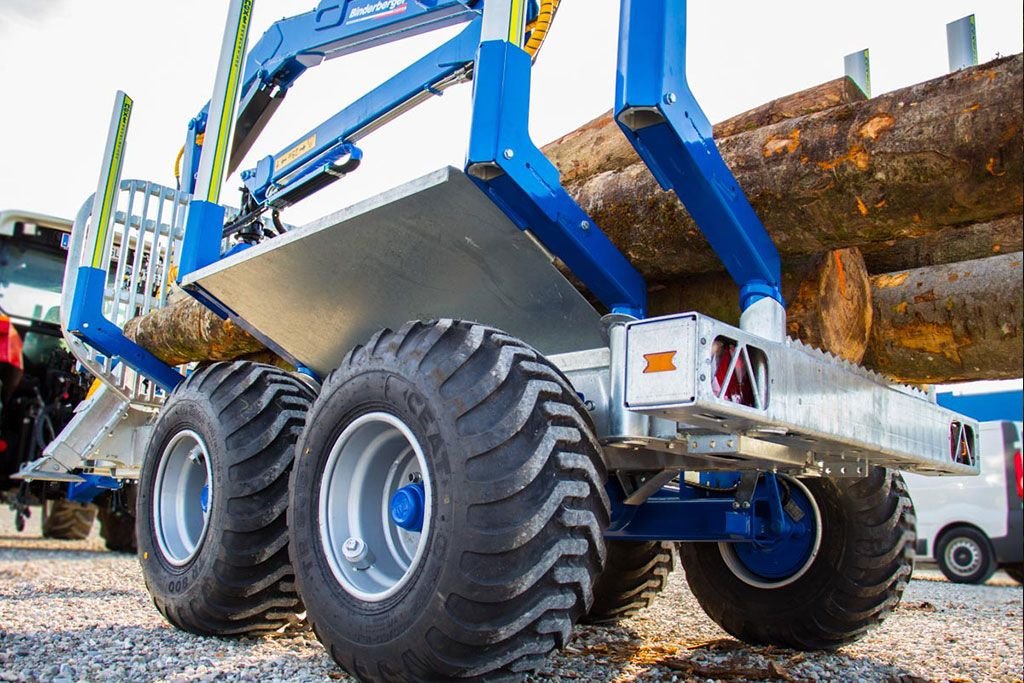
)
(515, 24)
(227, 115)
(102, 222)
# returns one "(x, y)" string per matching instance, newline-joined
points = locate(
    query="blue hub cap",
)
(406, 507)
(787, 552)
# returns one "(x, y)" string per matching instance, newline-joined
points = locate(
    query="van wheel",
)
(965, 555)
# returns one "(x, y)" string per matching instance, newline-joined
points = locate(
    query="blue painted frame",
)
(660, 116)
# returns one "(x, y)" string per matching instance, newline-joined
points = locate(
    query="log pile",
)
(899, 221)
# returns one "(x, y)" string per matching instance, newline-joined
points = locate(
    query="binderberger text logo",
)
(375, 9)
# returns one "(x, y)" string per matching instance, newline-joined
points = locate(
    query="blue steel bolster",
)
(333, 134)
(86, 321)
(92, 485)
(662, 119)
(692, 514)
(528, 188)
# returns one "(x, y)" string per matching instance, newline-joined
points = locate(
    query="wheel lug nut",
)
(357, 553)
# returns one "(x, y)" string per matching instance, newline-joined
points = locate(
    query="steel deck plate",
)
(436, 247)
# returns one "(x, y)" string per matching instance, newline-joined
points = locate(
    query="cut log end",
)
(831, 309)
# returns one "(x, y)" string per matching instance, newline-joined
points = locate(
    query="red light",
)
(3, 446)
(1018, 469)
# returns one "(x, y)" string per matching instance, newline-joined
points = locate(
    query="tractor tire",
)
(212, 499)
(852, 582)
(965, 555)
(1016, 571)
(68, 521)
(502, 559)
(633, 576)
(117, 527)
(117, 520)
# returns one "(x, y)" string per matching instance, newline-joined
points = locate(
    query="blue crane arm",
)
(294, 44)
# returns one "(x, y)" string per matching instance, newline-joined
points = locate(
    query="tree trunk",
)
(933, 157)
(185, 330)
(949, 323)
(600, 146)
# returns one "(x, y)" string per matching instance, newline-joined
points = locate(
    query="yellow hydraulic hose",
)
(537, 30)
(181, 154)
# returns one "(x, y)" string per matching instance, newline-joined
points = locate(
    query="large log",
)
(935, 156)
(599, 146)
(947, 323)
(950, 323)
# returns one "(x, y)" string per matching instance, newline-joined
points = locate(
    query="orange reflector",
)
(660, 362)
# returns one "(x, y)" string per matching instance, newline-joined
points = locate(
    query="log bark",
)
(599, 146)
(947, 323)
(947, 245)
(937, 156)
(185, 331)
(950, 323)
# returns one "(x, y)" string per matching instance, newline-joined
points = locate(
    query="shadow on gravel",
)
(622, 655)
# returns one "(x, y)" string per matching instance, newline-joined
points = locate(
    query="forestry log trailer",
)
(452, 496)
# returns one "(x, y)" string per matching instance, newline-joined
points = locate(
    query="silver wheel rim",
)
(181, 519)
(958, 568)
(736, 566)
(374, 456)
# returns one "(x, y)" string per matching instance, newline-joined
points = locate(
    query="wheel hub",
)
(963, 556)
(182, 495)
(781, 560)
(375, 503)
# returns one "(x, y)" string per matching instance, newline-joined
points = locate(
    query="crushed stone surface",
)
(71, 611)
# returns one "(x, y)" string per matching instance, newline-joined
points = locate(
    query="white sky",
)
(62, 60)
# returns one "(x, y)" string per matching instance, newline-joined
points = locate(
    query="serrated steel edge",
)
(847, 366)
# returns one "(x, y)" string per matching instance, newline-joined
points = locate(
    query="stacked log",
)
(899, 221)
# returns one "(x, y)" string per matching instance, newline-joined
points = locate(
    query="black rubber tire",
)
(864, 562)
(1016, 571)
(117, 526)
(974, 542)
(515, 537)
(68, 521)
(240, 580)
(633, 576)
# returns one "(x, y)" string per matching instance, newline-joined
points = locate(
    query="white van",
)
(972, 526)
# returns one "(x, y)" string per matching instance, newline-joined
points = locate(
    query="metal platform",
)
(436, 247)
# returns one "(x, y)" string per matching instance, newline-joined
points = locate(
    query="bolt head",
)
(585, 225)
(670, 98)
(509, 153)
(746, 504)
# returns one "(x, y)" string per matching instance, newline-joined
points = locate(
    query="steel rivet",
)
(670, 98)
(509, 153)
(585, 225)
(746, 504)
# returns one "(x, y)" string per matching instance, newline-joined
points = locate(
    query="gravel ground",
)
(69, 611)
